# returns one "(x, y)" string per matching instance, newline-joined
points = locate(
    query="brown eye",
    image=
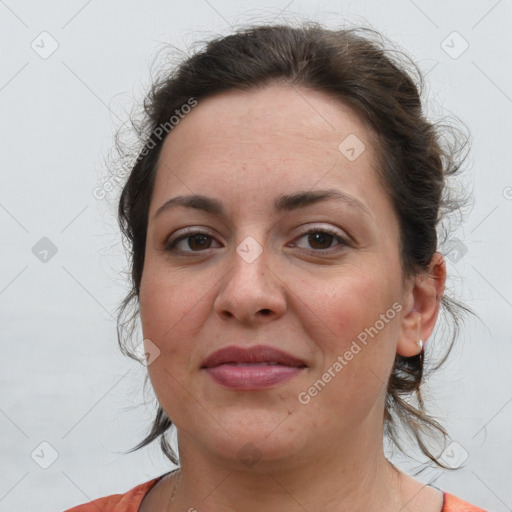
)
(319, 241)
(198, 242)
(191, 242)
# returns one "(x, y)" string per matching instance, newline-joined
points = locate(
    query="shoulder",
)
(127, 502)
(453, 504)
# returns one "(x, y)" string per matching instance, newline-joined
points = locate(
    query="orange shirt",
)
(131, 501)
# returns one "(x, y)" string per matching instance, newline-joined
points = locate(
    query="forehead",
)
(270, 112)
(265, 139)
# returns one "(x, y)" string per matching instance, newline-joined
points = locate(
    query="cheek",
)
(353, 326)
(166, 303)
(168, 317)
(174, 310)
(349, 306)
(154, 298)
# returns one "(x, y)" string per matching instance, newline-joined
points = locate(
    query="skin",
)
(246, 148)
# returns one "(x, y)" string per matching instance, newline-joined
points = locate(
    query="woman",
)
(285, 262)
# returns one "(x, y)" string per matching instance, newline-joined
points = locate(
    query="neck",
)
(331, 481)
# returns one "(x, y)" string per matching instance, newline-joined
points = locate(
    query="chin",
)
(255, 441)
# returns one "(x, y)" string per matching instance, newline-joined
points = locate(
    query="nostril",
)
(265, 311)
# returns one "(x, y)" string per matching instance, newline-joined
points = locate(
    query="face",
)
(295, 248)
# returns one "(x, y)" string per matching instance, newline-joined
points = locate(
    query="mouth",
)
(252, 368)
(258, 354)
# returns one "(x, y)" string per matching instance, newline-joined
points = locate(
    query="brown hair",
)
(415, 159)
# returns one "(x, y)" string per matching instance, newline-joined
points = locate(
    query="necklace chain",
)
(175, 486)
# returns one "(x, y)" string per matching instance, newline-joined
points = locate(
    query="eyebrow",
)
(284, 203)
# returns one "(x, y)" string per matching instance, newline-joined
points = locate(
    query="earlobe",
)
(409, 336)
(424, 300)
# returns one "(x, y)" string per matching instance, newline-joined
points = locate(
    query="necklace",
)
(174, 488)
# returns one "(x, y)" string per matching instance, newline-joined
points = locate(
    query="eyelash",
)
(170, 246)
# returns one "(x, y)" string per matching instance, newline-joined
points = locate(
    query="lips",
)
(253, 368)
(259, 354)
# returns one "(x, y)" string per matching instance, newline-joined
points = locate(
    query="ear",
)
(422, 299)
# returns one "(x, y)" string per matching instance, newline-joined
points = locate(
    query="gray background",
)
(63, 380)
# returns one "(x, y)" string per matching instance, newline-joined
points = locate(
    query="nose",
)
(251, 292)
